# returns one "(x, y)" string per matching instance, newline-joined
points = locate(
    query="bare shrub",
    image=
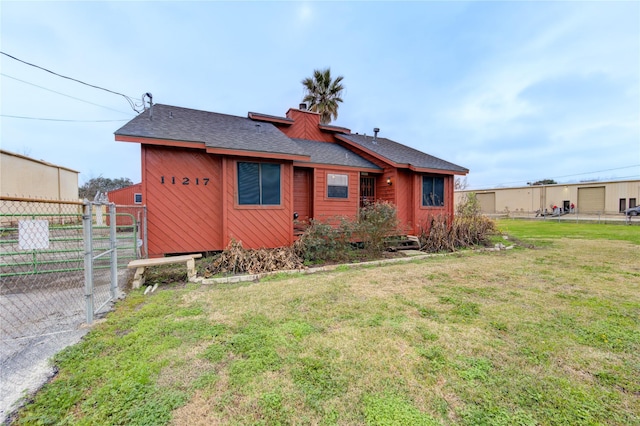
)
(472, 231)
(235, 259)
(437, 236)
(469, 228)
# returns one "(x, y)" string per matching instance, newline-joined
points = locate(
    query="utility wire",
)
(63, 94)
(131, 103)
(565, 176)
(60, 119)
(599, 171)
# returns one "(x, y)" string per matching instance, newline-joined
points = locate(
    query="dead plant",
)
(235, 259)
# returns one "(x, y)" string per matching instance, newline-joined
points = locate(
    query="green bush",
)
(336, 239)
(377, 223)
(325, 242)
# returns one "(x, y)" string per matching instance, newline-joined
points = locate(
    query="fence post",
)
(146, 246)
(114, 250)
(88, 259)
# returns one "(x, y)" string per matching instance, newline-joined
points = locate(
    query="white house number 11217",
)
(184, 181)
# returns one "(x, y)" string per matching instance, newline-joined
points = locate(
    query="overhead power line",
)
(131, 103)
(566, 176)
(60, 119)
(598, 171)
(62, 94)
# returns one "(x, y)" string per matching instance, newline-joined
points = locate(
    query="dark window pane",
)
(438, 189)
(258, 183)
(432, 191)
(270, 183)
(427, 191)
(248, 183)
(338, 191)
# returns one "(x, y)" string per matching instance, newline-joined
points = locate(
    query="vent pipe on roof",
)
(303, 106)
(150, 97)
(375, 135)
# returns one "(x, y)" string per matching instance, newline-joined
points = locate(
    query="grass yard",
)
(532, 336)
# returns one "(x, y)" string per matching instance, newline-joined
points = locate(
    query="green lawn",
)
(550, 229)
(548, 335)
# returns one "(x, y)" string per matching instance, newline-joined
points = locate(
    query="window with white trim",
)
(137, 198)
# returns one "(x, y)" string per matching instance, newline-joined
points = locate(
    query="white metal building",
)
(611, 197)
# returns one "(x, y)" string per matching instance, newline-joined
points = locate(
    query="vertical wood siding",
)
(259, 226)
(182, 218)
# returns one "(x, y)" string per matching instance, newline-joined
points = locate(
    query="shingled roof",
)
(401, 155)
(257, 135)
(213, 129)
(333, 154)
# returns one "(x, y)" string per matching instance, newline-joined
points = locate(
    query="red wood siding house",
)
(208, 178)
(128, 196)
(129, 202)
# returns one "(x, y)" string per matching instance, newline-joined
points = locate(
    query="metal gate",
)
(61, 265)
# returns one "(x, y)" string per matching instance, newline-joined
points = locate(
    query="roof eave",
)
(434, 170)
(159, 141)
(270, 118)
(334, 129)
(213, 150)
(257, 154)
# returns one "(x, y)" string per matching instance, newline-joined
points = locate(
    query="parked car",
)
(632, 211)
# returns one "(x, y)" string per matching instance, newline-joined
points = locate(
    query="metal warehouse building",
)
(26, 177)
(587, 198)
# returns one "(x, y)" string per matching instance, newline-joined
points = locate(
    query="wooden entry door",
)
(302, 194)
(367, 190)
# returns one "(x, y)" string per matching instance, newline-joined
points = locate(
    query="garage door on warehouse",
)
(487, 201)
(591, 200)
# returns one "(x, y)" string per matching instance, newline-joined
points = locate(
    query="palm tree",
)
(323, 94)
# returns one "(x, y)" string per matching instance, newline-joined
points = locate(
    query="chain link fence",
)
(577, 216)
(61, 265)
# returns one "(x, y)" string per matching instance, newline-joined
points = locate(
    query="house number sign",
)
(184, 180)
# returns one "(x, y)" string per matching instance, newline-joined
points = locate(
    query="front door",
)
(302, 194)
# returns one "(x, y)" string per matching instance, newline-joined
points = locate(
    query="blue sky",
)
(514, 91)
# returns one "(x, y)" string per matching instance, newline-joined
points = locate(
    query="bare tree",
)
(100, 184)
(460, 184)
